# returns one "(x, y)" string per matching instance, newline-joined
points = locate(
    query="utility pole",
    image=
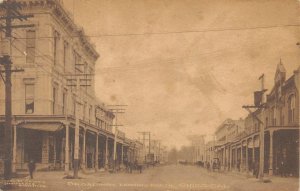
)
(78, 83)
(116, 109)
(262, 134)
(77, 123)
(259, 103)
(12, 13)
(144, 133)
(156, 148)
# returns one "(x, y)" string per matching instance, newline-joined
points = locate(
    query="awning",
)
(42, 126)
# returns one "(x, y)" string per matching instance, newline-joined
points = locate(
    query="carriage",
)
(216, 164)
(134, 166)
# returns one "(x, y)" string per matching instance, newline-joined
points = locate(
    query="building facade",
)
(227, 135)
(54, 98)
(198, 147)
(238, 142)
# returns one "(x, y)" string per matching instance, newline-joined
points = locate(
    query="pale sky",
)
(184, 66)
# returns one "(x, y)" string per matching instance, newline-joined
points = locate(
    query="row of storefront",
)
(50, 142)
(238, 142)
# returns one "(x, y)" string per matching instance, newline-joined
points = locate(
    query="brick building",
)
(238, 142)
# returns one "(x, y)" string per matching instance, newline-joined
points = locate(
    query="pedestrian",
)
(31, 168)
(283, 169)
(214, 165)
(208, 166)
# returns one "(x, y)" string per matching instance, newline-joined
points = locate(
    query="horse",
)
(133, 166)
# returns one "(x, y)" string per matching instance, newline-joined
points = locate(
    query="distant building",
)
(198, 147)
(210, 152)
(226, 135)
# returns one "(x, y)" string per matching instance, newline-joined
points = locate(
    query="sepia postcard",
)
(149, 95)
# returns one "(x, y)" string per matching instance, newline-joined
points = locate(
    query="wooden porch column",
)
(14, 164)
(229, 158)
(236, 148)
(97, 152)
(224, 157)
(241, 160)
(271, 153)
(122, 152)
(67, 159)
(247, 168)
(253, 154)
(106, 153)
(83, 150)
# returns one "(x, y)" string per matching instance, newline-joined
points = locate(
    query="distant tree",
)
(185, 153)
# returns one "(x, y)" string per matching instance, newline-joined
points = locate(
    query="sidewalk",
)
(249, 175)
(274, 179)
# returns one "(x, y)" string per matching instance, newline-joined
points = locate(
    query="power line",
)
(48, 60)
(176, 32)
(11, 13)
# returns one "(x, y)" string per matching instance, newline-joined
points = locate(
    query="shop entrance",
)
(33, 145)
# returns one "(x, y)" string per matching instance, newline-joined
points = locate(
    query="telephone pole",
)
(77, 80)
(262, 134)
(259, 103)
(144, 134)
(116, 109)
(11, 13)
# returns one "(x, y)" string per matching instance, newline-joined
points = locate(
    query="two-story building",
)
(282, 123)
(228, 149)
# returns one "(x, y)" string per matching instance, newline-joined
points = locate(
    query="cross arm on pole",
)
(17, 16)
(251, 113)
(14, 70)
(2, 76)
(18, 26)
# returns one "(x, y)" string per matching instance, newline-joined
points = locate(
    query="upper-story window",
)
(291, 108)
(65, 54)
(273, 116)
(77, 62)
(54, 98)
(90, 113)
(83, 111)
(64, 103)
(281, 116)
(29, 98)
(30, 46)
(74, 106)
(56, 38)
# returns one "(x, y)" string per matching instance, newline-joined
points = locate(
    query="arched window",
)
(291, 108)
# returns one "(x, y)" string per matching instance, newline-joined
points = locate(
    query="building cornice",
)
(57, 10)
